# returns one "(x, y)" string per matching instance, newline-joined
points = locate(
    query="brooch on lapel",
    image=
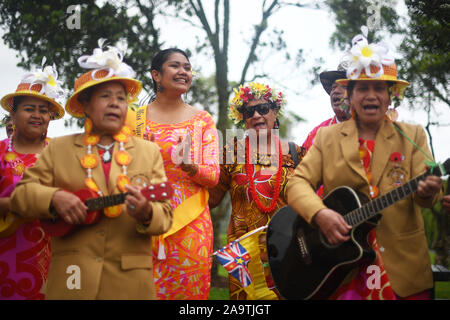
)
(397, 174)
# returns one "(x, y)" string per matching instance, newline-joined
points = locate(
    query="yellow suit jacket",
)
(114, 256)
(334, 161)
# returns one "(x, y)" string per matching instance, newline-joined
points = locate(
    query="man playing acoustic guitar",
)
(372, 154)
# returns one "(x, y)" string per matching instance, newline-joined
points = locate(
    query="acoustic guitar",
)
(59, 228)
(304, 265)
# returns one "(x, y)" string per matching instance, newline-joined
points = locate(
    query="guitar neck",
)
(370, 209)
(94, 204)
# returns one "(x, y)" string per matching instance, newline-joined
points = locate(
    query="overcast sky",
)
(303, 28)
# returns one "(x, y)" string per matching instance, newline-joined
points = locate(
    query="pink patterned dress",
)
(182, 257)
(25, 255)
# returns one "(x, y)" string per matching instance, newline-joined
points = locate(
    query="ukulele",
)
(58, 227)
(304, 265)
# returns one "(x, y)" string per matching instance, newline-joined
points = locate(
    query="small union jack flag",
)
(235, 258)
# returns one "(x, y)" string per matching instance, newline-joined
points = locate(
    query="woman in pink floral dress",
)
(24, 247)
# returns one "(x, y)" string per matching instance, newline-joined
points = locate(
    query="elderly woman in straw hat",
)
(255, 171)
(112, 257)
(26, 253)
(372, 154)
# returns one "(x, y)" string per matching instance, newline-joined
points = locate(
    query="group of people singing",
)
(142, 248)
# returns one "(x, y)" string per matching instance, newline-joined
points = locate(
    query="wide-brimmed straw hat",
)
(371, 62)
(327, 78)
(42, 84)
(108, 66)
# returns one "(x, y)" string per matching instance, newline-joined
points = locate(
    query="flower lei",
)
(253, 91)
(89, 161)
(249, 168)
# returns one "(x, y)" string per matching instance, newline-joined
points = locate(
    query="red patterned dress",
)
(24, 255)
(245, 214)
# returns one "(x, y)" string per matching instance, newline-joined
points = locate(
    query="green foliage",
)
(430, 226)
(350, 15)
(426, 50)
(39, 28)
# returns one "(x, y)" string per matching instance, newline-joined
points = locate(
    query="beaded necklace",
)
(12, 158)
(89, 161)
(249, 168)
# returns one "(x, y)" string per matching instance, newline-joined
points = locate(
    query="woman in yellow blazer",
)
(110, 259)
(369, 154)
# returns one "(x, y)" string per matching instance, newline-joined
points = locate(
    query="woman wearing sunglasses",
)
(250, 171)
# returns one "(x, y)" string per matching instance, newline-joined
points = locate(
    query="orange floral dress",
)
(182, 257)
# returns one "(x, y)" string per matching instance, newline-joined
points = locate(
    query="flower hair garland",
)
(109, 60)
(48, 78)
(253, 91)
(363, 55)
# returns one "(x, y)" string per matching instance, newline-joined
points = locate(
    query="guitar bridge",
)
(303, 248)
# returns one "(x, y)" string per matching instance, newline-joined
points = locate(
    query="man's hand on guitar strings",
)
(333, 226)
(69, 207)
(429, 187)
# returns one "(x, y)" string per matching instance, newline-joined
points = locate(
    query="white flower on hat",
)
(110, 60)
(363, 55)
(48, 78)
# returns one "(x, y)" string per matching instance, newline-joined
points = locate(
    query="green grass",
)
(219, 294)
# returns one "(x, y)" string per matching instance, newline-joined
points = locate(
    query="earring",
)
(159, 88)
(276, 125)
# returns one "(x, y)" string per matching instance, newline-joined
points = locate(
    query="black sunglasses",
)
(262, 109)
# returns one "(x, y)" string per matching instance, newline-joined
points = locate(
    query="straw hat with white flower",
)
(42, 84)
(107, 66)
(372, 62)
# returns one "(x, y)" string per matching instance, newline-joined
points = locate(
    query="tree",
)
(426, 50)
(43, 28)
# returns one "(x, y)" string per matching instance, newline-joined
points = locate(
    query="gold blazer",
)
(334, 161)
(114, 256)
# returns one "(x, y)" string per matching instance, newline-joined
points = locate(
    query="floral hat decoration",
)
(253, 91)
(372, 62)
(42, 84)
(106, 65)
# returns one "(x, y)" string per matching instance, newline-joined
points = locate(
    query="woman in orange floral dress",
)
(187, 138)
